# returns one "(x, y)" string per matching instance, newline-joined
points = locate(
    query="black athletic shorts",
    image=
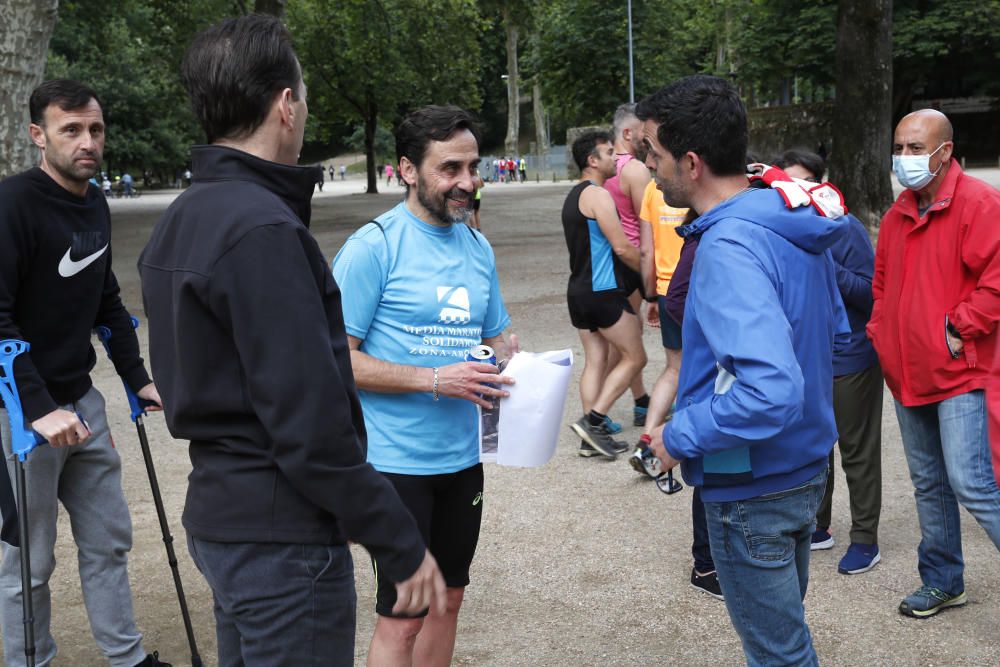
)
(670, 331)
(448, 509)
(475, 204)
(632, 281)
(597, 310)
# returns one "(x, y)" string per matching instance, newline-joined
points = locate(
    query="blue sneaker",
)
(613, 427)
(639, 416)
(821, 540)
(859, 558)
(927, 601)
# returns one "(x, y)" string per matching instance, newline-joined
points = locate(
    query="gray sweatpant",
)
(87, 480)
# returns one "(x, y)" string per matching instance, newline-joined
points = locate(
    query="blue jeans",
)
(761, 551)
(948, 452)
(280, 604)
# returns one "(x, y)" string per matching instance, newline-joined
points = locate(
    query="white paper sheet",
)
(528, 423)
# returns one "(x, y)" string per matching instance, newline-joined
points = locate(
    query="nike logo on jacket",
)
(69, 268)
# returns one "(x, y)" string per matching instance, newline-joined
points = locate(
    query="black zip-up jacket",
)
(248, 346)
(56, 285)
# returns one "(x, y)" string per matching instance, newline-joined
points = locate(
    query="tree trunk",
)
(862, 130)
(541, 127)
(371, 124)
(25, 30)
(273, 7)
(513, 97)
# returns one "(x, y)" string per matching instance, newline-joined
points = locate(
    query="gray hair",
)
(624, 114)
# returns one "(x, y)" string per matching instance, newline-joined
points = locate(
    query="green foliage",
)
(371, 61)
(368, 62)
(371, 58)
(385, 143)
(945, 49)
(131, 57)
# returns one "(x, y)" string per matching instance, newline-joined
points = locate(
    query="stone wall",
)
(777, 129)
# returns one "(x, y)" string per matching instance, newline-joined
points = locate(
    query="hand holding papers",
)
(524, 428)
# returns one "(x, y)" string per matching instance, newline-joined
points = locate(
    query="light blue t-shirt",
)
(419, 295)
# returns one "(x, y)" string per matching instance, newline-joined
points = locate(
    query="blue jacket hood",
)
(754, 401)
(802, 226)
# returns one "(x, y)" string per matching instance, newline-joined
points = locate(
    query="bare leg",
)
(625, 336)
(637, 386)
(393, 642)
(436, 642)
(595, 362)
(664, 391)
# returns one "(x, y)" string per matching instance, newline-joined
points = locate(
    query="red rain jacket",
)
(943, 265)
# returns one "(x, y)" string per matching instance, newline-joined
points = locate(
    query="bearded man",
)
(419, 290)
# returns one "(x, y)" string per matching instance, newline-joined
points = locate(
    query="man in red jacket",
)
(937, 301)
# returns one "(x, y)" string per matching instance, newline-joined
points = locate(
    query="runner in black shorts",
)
(597, 310)
(448, 510)
(597, 303)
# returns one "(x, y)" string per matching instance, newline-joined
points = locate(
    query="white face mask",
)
(914, 171)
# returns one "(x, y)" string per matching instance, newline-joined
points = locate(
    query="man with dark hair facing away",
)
(754, 421)
(598, 305)
(421, 289)
(257, 373)
(56, 285)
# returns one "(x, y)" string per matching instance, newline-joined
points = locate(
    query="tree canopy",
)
(367, 62)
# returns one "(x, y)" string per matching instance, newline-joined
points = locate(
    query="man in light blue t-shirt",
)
(419, 290)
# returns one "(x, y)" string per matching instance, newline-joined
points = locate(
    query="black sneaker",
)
(153, 660)
(707, 583)
(587, 451)
(597, 437)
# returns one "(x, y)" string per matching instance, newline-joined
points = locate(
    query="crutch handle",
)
(136, 405)
(23, 439)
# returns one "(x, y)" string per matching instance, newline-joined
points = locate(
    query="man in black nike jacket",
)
(56, 285)
(248, 341)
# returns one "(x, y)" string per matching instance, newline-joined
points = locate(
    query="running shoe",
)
(707, 583)
(612, 426)
(644, 461)
(859, 558)
(596, 436)
(821, 540)
(927, 601)
(639, 416)
(587, 451)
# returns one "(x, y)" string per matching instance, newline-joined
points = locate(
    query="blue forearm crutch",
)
(138, 406)
(23, 440)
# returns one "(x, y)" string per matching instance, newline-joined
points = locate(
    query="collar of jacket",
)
(907, 201)
(293, 184)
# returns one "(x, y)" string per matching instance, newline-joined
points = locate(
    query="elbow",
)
(772, 408)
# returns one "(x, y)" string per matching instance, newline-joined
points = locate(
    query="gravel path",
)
(580, 562)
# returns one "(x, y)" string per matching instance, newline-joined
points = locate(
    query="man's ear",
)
(408, 170)
(285, 110)
(37, 135)
(947, 150)
(692, 166)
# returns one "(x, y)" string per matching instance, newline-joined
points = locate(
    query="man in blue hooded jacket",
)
(754, 421)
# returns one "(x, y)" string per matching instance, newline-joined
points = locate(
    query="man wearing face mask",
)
(936, 303)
